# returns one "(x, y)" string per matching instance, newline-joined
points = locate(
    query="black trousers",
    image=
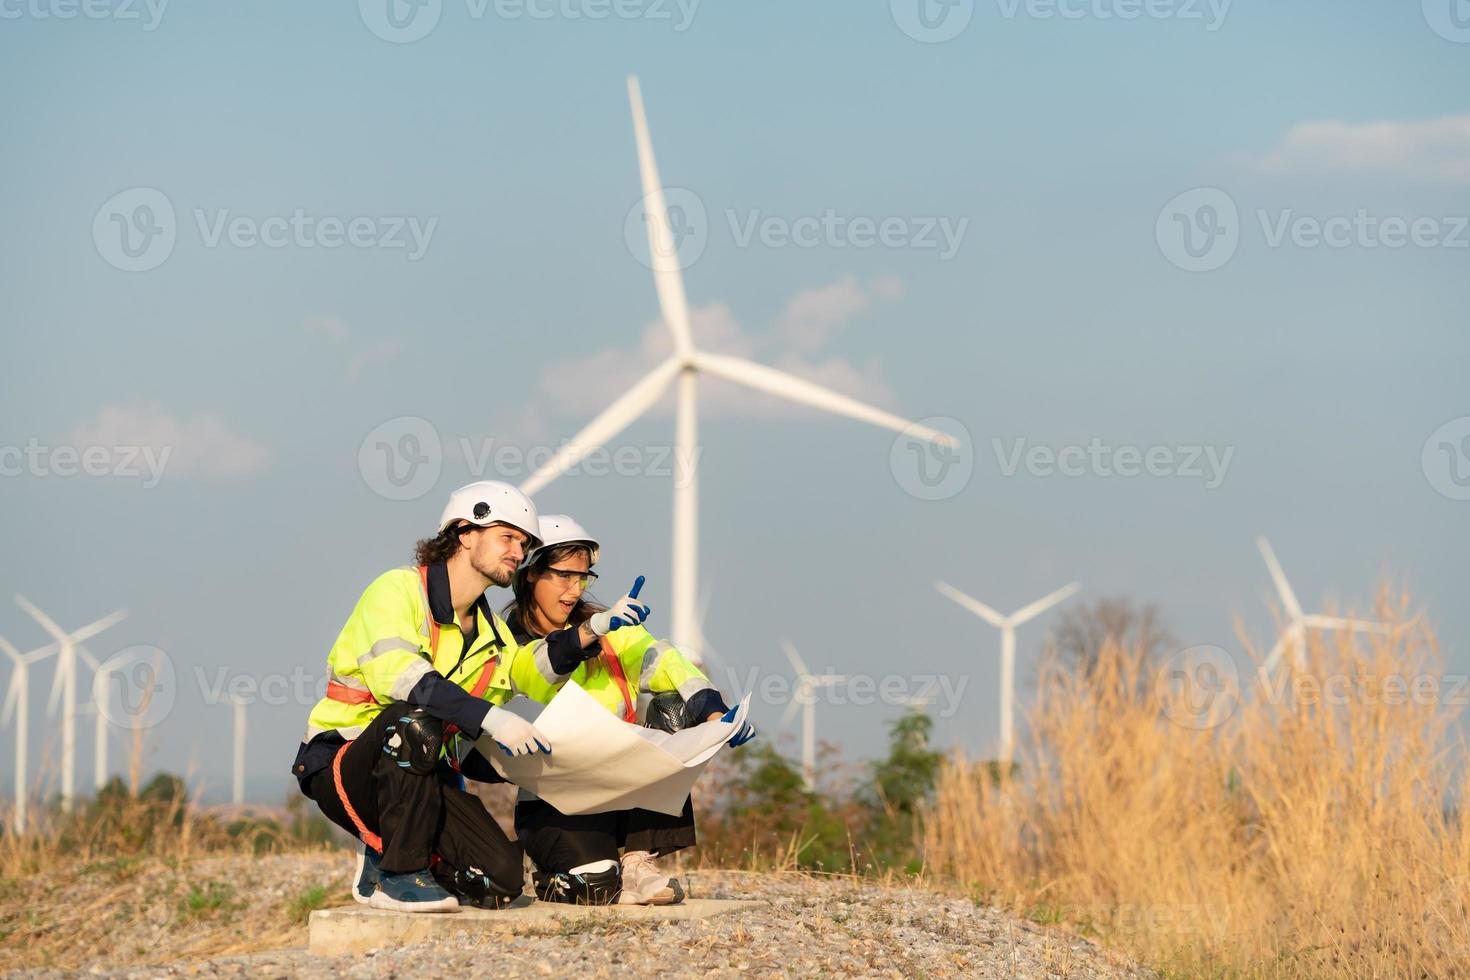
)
(559, 842)
(417, 816)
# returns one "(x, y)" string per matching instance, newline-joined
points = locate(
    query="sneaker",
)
(644, 884)
(365, 876)
(415, 891)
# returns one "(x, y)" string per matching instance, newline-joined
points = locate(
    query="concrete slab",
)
(355, 928)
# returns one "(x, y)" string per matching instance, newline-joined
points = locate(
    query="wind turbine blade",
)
(668, 280)
(1292, 608)
(792, 388)
(92, 629)
(974, 605)
(1042, 605)
(1337, 623)
(87, 657)
(9, 649)
(1274, 658)
(791, 708)
(47, 623)
(614, 419)
(796, 662)
(54, 700)
(12, 698)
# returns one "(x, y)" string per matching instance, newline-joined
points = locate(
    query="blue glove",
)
(746, 733)
(627, 611)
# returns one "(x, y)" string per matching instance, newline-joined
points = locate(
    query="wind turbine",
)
(1298, 622)
(685, 364)
(805, 697)
(1007, 626)
(64, 686)
(17, 704)
(238, 796)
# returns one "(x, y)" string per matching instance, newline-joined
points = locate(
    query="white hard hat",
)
(491, 502)
(560, 529)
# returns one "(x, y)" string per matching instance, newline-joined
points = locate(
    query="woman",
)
(625, 667)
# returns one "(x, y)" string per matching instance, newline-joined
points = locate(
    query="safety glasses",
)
(566, 576)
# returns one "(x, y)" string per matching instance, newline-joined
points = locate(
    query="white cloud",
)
(332, 327)
(378, 352)
(582, 387)
(359, 359)
(203, 445)
(1433, 149)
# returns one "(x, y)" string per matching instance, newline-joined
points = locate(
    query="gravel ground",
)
(143, 925)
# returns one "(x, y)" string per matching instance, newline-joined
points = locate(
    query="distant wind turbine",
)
(17, 705)
(64, 686)
(685, 365)
(805, 697)
(1007, 626)
(238, 796)
(1294, 635)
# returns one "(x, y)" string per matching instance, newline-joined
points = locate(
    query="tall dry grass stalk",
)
(1303, 827)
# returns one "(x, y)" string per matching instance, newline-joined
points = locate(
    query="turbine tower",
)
(1007, 626)
(1294, 635)
(805, 697)
(684, 365)
(238, 795)
(64, 686)
(17, 704)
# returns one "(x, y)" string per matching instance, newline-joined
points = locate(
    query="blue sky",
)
(1062, 316)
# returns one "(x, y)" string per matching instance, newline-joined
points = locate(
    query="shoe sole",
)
(386, 904)
(357, 895)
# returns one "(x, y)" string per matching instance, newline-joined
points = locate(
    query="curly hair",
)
(441, 547)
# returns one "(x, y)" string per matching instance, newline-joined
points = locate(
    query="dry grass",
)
(1297, 829)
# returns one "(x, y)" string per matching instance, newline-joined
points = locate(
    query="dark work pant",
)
(559, 842)
(417, 816)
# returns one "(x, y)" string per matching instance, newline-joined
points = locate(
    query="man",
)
(422, 659)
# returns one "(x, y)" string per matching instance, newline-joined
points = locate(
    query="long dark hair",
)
(524, 584)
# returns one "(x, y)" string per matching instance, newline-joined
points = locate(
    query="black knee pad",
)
(472, 886)
(666, 713)
(413, 739)
(591, 884)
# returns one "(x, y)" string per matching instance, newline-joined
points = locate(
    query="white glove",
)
(627, 611)
(514, 734)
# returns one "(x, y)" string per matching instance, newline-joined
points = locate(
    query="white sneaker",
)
(645, 884)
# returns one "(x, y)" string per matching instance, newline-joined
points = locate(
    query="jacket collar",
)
(441, 605)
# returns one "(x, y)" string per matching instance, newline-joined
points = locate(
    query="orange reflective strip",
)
(429, 615)
(346, 695)
(615, 667)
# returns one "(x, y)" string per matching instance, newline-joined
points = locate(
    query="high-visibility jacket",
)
(631, 667)
(395, 636)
